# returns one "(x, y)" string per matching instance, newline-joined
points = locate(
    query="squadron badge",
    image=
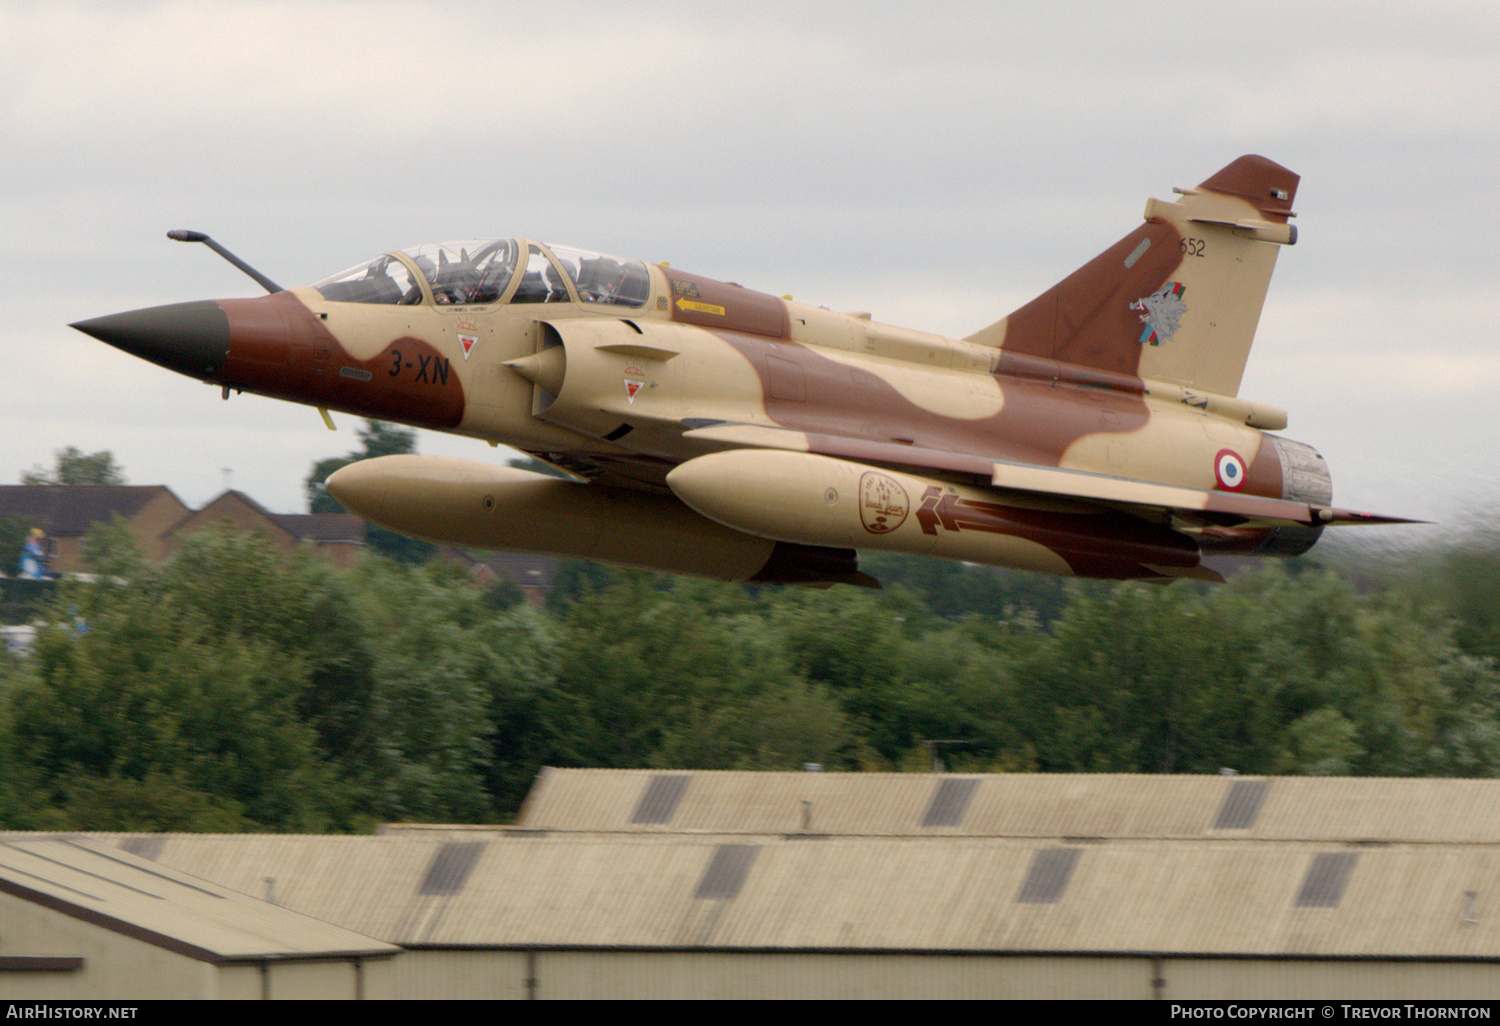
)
(883, 503)
(1162, 315)
(467, 337)
(635, 380)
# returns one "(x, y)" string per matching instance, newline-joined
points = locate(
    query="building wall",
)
(606, 974)
(468, 975)
(120, 967)
(341, 554)
(67, 555)
(1277, 979)
(114, 966)
(160, 512)
(237, 983)
(152, 522)
(306, 981)
(613, 974)
(242, 518)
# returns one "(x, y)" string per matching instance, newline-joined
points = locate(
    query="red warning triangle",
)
(631, 388)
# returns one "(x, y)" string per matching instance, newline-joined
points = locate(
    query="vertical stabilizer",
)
(1179, 298)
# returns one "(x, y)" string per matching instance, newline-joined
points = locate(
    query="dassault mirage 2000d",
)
(718, 431)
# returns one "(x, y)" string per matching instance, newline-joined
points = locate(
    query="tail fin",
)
(1177, 299)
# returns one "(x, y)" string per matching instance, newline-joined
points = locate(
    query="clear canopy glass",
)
(384, 279)
(480, 271)
(604, 279)
(463, 273)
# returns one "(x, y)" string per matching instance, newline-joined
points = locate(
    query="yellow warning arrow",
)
(708, 308)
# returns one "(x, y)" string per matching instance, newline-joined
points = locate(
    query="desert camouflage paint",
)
(714, 430)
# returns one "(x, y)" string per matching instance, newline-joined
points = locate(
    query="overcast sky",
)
(935, 164)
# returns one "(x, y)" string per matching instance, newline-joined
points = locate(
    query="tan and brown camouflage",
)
(719, 431)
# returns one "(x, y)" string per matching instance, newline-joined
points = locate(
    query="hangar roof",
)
(1018, 805)
(516, 888)
(99, 882)
(1209, 866)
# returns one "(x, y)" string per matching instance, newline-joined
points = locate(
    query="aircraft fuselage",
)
(732, 433)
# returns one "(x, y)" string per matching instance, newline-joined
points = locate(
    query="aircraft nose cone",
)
(190, 338)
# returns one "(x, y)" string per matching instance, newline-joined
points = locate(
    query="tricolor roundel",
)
(1230, 470)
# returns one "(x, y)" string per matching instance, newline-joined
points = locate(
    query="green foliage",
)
(433, 667)
(502, 594)
(1464, 578)
(21, 599)
(110, 551)
(572, 580)
(140, 687)
(952, 589)
(13, 531)
(663, 671)
(74, 467)
(236, 689)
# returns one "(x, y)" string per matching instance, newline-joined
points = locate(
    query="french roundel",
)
(1230, 470)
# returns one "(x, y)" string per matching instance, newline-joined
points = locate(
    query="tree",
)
(146, 693)
(219, 691)
(1464, 575)
(660, 671)
(440, 656)
(13, 532)
(77, 468)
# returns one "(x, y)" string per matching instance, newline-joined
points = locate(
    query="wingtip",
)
(1349, 517)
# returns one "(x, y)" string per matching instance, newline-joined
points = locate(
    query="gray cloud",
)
(936, 168)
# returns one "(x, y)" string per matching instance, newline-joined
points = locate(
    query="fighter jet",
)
(714, 430)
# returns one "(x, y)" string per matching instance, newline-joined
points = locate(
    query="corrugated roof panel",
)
(726, 873)
(90, 879)
(1216, 896)
(1327, 876)
(146, 846)
(1366, 808)
(913, 887)
(1242, 804)
(660, 797)
(1036, 805)
(726, 802)
(1027, 805)
(950, 800)
(332, 877)
(450, 867)
(1048, 876)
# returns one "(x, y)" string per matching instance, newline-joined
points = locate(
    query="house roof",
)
(72, 509)
(323, 527)
(527, 569)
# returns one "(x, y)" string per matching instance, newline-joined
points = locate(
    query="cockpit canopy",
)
(483, 271)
